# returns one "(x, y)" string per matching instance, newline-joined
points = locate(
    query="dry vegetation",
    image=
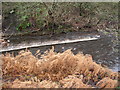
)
(21, 18)
(55, 70)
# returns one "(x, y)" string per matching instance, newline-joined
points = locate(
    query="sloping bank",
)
(55, 70)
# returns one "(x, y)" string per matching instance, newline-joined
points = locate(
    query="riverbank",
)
(19, 19)
(55, 70)
(46, 32)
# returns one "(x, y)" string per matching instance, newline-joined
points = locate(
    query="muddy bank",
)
(21, 18)
(55, 70)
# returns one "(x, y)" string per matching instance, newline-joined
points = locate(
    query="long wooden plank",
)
(48, 43)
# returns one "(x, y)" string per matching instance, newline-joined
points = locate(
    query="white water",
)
(36, 44)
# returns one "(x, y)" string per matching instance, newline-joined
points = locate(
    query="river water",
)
(102, 47)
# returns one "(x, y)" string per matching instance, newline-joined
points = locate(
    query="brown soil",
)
(55, 70)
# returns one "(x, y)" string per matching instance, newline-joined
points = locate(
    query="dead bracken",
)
(55, 70)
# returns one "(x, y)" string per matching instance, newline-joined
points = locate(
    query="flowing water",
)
(100, 46)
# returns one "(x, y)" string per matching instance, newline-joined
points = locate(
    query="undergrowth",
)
(55, 70)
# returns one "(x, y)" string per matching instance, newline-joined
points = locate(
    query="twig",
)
(7, 27)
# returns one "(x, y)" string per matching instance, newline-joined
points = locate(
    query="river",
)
(100, 46)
